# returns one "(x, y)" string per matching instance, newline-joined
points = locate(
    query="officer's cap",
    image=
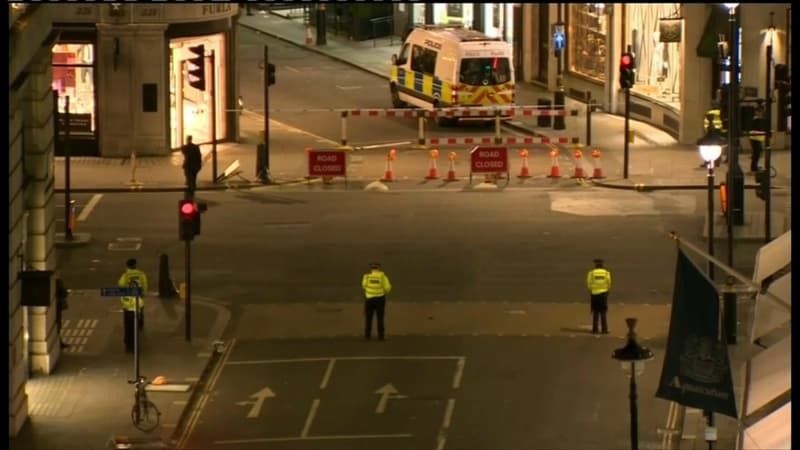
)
(131, 263)
(598, 261)
(374, 265)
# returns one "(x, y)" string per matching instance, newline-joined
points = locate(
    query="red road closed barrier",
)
(488, 160)
(326, 163)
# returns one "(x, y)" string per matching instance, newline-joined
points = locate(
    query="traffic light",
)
(626, 71)
(762, 189)
(188, 220)
(196, 69)
(271, 73)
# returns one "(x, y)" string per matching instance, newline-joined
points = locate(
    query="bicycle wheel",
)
(148, 414)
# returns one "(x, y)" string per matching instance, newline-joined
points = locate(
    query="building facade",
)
(120, 71)
(122, 68)
(677, 69)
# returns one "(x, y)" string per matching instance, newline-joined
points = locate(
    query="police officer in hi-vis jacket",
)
(376, 285)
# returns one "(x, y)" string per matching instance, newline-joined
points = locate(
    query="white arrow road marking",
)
(310, 419)
(387, 391)
(259, 397)
(89, 207)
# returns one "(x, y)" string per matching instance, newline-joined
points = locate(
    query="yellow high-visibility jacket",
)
(598, 280)
(375, 284)
(132, 277)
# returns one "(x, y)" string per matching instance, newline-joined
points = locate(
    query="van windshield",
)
(485, 71)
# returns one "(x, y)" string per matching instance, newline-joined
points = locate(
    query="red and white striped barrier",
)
(487, 112)
(508, 140)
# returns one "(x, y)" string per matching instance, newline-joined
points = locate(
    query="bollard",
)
(559, 104)
(421, 130)
(589, 110)
(389, 173)
(578, 155)
(166, 288)
(433, 170)
(133, 182)
(555, 171)
(309, 36)
(523, 171)
(498, 134)
(451, 171)
(344, 129)
(598, 169)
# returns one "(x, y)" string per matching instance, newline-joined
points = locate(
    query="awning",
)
(716, 24)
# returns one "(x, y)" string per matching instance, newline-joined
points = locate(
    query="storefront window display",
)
(73, 77)
(588, 28)
(190, 108)
(498, 18)
(654, 32)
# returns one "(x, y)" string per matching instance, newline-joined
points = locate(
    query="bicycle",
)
(144, 414)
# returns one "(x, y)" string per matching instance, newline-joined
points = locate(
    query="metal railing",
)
(379, 20)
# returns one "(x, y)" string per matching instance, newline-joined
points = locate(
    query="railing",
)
(379, 20)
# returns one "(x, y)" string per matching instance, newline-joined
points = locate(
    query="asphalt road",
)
(307, 80)
(519, 245)
(426, 393)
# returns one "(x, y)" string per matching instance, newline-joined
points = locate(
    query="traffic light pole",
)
(67, 223)
(627, 130)
(213, 86)
(265, 177)
(188, 309)
(768, 143)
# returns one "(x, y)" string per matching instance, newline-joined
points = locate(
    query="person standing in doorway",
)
(598, 281)
(132, 277)
(376, 286)
(192, 163)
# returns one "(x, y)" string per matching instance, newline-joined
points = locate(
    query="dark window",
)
(423, 60)
(149, 97)
(485, 71)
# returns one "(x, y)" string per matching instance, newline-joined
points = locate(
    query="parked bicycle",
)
(144, 414)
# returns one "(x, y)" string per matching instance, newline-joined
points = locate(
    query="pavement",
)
(85, 403)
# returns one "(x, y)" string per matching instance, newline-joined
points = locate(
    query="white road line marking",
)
(339, 358)
(459, 372)
(327, 375)
(292, 69)
(80, 323)
(94, 323)
(389, 144)
(316, 438)
(89, 207)
(310, 419)
(448, 413)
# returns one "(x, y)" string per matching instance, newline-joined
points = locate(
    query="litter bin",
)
(558, 121)
(544, 121)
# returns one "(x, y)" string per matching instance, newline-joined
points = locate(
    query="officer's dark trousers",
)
(128, 318)
(375, 305)
(757, 147)
(599, 309)
(191, 181)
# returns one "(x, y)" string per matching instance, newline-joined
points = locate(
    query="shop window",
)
(423, 60)
(73, 77)
(588, 27)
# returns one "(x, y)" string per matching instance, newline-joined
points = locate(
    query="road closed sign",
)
(489, 159)
(327, 163)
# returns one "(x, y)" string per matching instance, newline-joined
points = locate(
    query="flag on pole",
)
(696, 371)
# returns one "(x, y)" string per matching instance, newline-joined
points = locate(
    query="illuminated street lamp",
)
(633, 356)
(710, 147)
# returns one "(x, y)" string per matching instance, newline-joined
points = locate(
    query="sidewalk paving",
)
(85, 404)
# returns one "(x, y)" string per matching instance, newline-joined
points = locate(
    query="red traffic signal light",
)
(626, 71)
(196, 67)
(188, 220)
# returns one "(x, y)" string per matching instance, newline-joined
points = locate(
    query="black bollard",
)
(166, 289)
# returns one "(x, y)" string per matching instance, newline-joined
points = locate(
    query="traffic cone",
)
(578, 155)
(309, 37)
(555, 171)
(523, 171)
(433, 170)
(451, 171)
(389, 173)
(598, 169)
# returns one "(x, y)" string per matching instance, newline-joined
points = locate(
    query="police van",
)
(451, 66)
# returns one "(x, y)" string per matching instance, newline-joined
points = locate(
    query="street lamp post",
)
(633, 356)
(710, 147)
(735, 174)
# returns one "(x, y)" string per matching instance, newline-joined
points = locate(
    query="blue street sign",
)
(559, 37)
(121, 292)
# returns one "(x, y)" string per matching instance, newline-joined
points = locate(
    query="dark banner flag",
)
(696, 371)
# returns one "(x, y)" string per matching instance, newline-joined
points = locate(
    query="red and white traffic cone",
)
(523, 171)
(433, 170)
(451, 171)
(598, 169)
(578, 163)
(309, 37)
(389, 173)
(555, 171)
